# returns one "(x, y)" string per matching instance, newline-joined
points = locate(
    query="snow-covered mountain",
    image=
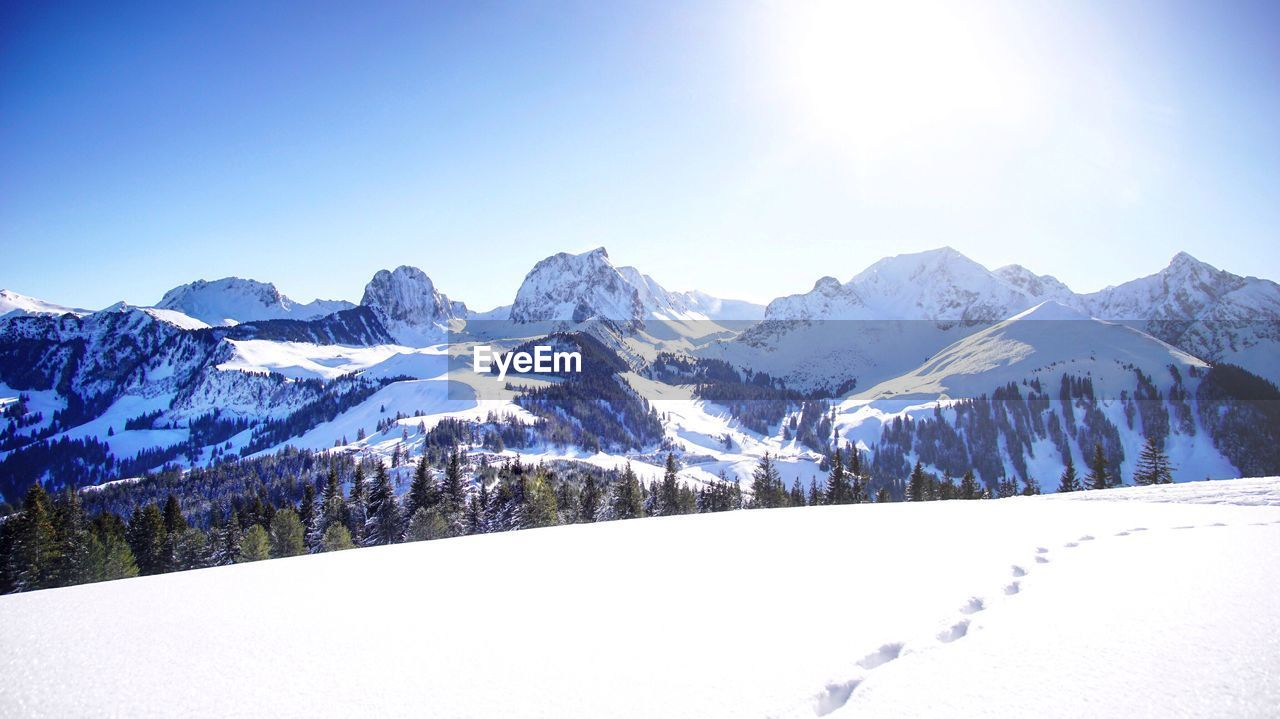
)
(1043, 342)
(232, 300)
(1209, 312)
(660, 303)
(13, 304)
(411, 307)
(145, 385)
(577, 288)
(937, 284)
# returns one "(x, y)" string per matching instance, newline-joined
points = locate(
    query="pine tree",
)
(71, 529)
(336, 538)
(815, 498)
(916, 484)
(426, 524)
(174, 521)
(422, 491)
(1153, 465)
(452, 493)
(1068, 482)
(148, 539)
(837, 486)
(590, 498)
(286, 535)
(228, 551)
(256, 545)
(627, 501)
(883, 496)
(1030, 487)
(766, 484)
(539, 507)
(34, 549)
(668, 501)
(383, 523)
(1097, 478)
(190, 549)
(307, 510)
(969, 486)
(356, 506)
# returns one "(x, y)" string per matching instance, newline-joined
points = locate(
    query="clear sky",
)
(744, 149)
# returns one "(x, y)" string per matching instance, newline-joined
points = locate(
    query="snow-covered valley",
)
(1155, 601)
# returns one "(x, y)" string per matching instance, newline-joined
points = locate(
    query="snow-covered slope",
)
(662, 304)
(232, 300)
(1133, 602)
(1042, 342)
(1209, 312)
(13, 304)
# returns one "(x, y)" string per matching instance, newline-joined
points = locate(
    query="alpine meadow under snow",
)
(1146, 601)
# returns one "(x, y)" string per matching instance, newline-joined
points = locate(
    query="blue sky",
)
(745, 149)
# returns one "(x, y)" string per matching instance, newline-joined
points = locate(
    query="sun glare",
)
(866, 74)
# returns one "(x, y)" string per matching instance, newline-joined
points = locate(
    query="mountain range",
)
(234, 366)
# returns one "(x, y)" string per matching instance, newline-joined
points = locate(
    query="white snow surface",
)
(1151, 602)
(14, 304)
(232, 300)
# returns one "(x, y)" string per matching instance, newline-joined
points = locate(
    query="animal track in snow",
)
(1019, 571)
(1041, 560)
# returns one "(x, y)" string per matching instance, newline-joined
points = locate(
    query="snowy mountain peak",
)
(409, 302)
(232, 300)
(14, 304)
(566, 287)
(1052, 311)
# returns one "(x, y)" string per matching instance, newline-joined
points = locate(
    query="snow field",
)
(1094, 604)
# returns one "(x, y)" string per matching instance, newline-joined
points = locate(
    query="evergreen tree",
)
(287, 533)
(452, 492)
(797, 494)
(149, 540)
(1030, 487)
(916, 484)
(969, 486)
(815, 498)
(228, 551)
(72, 531)
(668, 499)
(837, 486)
(539, 508)
(422, 491)
(174, 521)
(590, 498)
(34, 548)
(356, 506)
(627, 501)
(1097, 478)
(336, 538)
(1153, 465)
(766, 484)
(307, 510)
(256, 545)
(1068, 482)
(190, 548)
(882, 495)
(383, 523)
(427, 524)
